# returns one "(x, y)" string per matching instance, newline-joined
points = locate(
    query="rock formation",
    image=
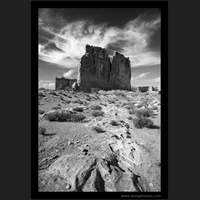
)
(97, 70)
(143, 89)
(120, 72)
(63, 83)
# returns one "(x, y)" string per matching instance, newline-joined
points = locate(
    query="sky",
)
(64, 33)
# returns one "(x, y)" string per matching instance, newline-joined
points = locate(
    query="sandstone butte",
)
(98, 70)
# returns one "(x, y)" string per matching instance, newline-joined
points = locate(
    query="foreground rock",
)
(102, 152)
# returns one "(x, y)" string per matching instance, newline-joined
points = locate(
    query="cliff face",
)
(120, 72)
(95, 68)
(97, 71)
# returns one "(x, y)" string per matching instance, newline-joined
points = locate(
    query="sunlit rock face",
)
(97, 70)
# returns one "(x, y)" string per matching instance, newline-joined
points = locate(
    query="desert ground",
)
(101, 141)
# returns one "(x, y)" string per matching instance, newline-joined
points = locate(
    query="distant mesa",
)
(145, 89)
(63, 83)
(98, 71)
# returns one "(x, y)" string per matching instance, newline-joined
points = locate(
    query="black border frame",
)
(163, 6)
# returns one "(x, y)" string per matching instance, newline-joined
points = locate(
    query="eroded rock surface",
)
(75, 157)
(97, 70)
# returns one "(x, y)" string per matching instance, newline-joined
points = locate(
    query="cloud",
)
(46, 84)
(143, 75)
(69, 41)
(156, 79)
(145, 58)
(71, 74)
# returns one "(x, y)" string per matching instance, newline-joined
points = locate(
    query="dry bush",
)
(143, 113)
(77, 117)
(95, 107)
(78, 101)
(56, 107)
(63, 115)
(131, 108)
(98, 129)
(132, 111)
(130, 117)
(52, 115)
(114, 123)
(54, 93)
(143, 122)
(78, 109)
(42, 130)
(97, 113)
(41, 111)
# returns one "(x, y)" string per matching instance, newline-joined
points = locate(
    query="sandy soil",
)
(97, 154)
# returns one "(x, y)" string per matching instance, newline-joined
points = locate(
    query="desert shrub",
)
(78, 101)
(78, 109)
(64, 116)
(154, 107)
(42, 130)
(76, 117)
(95, 107)
(60, 115)
(41, 111)
(132, 111)
(144, 113)
(131, 108)
(143, 122)
(130, 117)
(97, 113)
(52, 115)
(98, 129)
(114, 123)
(56, 107)
(53, 93)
